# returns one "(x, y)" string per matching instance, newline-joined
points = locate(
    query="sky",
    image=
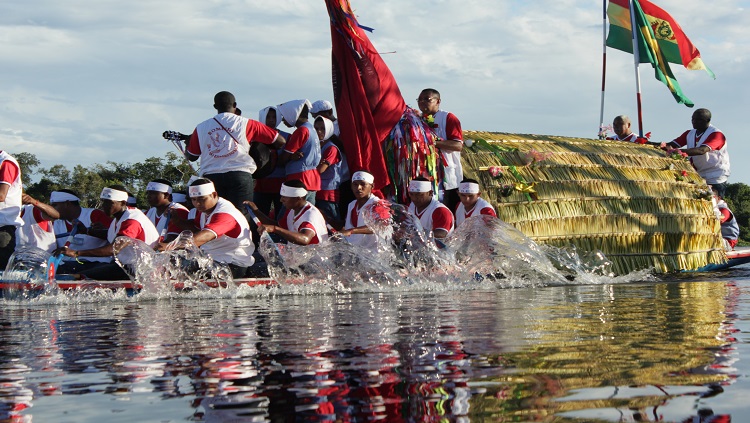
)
(84, 81)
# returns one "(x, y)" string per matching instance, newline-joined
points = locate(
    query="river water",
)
(636, 350)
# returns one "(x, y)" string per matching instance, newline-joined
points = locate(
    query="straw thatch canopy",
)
(639, 207)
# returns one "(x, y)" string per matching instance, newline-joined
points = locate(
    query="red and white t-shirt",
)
(308, 218)
(160, 220)
(133, 224)
(480, 207)
(435, 216)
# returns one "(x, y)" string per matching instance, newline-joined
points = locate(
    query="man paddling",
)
(302, 223)
(707, 147)
(451, 141)
(472, 204)
(223, 145)
(159, 197)
(354, 224)
(64, 209)
(126, 221)
(218, 228)
(435, 217)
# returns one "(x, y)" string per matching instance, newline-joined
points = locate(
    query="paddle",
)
(163, 233)
(334, 232)
(272, 254)
(54, 261)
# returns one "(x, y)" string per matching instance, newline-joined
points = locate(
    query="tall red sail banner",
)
(368, 101)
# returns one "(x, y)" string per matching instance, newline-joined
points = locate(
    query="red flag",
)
(368, 101)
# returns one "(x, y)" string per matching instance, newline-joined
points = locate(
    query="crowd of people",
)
(305, 192)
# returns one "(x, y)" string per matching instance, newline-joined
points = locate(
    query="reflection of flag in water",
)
(368, 101)
(660, 40)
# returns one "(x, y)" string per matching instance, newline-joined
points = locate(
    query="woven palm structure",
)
(632, 202)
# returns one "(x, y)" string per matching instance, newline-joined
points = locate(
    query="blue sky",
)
(92, 81)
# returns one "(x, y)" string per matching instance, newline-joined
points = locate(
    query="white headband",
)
(179, 197)
(363, 176)
(158, 187)
(292, 192)
(59, 197)
(420, 186)
(468, 188)
(113, 195)
(201, 190)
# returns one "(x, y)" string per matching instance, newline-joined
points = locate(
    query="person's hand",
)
(27, 199)
(252, 205)
(66, 252)
(268, 228)
(346, 232)
(298, 155)
(161, 246)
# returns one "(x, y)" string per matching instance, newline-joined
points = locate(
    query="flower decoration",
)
(676, 154)
(429, 120)
(681, 175)
(534, 156)
(495, 171)
(604, 131)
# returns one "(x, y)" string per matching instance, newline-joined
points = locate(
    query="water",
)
(493, 328)
(656, 351)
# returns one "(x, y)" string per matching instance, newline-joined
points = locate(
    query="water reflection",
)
(656, 352)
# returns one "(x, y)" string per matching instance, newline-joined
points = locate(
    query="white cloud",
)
(87, 82)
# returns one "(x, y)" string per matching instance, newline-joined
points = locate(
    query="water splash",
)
(181, 261)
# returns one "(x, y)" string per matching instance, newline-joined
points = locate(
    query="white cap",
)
(321, 106)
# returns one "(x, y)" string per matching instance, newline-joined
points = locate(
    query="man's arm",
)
(3, 192)
(48, 212)
(193, 148)
(300, 238)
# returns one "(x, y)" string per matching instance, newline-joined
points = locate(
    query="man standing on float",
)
(448, 128)
(223, 145)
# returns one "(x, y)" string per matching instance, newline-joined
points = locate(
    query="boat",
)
(736, 257)
(10, 288)
(639, 206)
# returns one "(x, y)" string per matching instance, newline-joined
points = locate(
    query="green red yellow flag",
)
(660, 40)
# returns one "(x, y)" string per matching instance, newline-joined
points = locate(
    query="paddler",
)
(160, 198)
(126, 221)
(218, 228)
(472, 204)
(354, 224)
(302, 223)
(63, 210)
(435, 217)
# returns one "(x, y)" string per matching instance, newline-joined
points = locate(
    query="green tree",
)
(27, 162)
(737, 197)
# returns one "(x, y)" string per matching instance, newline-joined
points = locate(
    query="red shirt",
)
(311, 178)
(44, 224)
(132, 228)
(8, 172)
(453, 128)
(303, 225)
(221, 224)
(442, 218)
(330, 155)
(96, 216)
(715, 141)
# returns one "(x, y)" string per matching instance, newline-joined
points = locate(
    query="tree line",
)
(89, 181)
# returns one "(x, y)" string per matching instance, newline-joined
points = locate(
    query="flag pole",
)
(604, 67)
(636, 59)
